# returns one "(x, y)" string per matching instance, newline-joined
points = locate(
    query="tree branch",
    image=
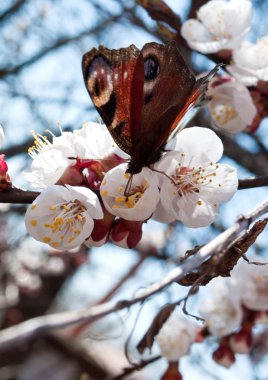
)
(249, 183)
(12, 10)
(40, 325)
(19, 196)
(58, 44)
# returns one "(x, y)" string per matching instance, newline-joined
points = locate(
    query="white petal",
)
(243, 75)
(223, 186)
(199, 145)
(194, 31)
(221, 308)
(161, 215)
(176, 336)
(196, 212)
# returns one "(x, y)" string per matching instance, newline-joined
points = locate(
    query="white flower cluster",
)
(223, 309)
(186, 184)
(221, 28)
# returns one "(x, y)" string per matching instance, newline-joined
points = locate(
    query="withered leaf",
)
(148, 339)
(222, 266)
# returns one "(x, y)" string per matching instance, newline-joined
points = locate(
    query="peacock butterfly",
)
(142, 96)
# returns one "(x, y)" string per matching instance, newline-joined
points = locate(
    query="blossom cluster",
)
(231, 309)
(88, 195)
(238, 98)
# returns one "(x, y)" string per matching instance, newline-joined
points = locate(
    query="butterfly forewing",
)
(109, 77)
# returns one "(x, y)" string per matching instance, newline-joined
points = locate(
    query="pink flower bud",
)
(5, 182)
(126, 233)
(71, 176)
(3, 165)
(241, 342)
(224, 356)
(101, 230)
(172, 372)
(260, 99)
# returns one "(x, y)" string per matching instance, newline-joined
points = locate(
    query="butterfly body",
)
(142, 96)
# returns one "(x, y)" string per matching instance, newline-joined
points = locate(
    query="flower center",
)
(223, 113)
(132, 198)
(67, 224)
(190, 180)
(41, 144)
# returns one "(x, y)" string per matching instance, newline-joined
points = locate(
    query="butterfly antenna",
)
(128, 186)
(165, 174)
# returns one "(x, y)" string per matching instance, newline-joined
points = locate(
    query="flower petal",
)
(199, 145)
(142, 198)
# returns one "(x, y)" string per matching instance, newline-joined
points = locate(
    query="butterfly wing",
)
(168, 83)
(114, 80)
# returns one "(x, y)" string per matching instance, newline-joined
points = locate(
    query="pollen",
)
(55, 244)
(53, 208)
(33, 207)
(104, 193)
(120, 199)
(46, 239)
(199, 203)
(34, 222)
(127, 176)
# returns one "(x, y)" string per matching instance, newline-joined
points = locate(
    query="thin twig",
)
(40, 325)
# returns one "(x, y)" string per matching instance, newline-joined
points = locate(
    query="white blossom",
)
(176, 336)
(51, 159)
(1, 136)
(194, 184)
(221, 25)
(231, 106)
(251, 282)
(98, 142)
(221, 308)
(131, 199)
(251, 62)
(63, 216)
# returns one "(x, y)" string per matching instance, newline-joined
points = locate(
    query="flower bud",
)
(172, 372)
(241, 342)
(126, 233)
(223, 355)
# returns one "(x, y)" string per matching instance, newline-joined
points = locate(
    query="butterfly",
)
(142, 96)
